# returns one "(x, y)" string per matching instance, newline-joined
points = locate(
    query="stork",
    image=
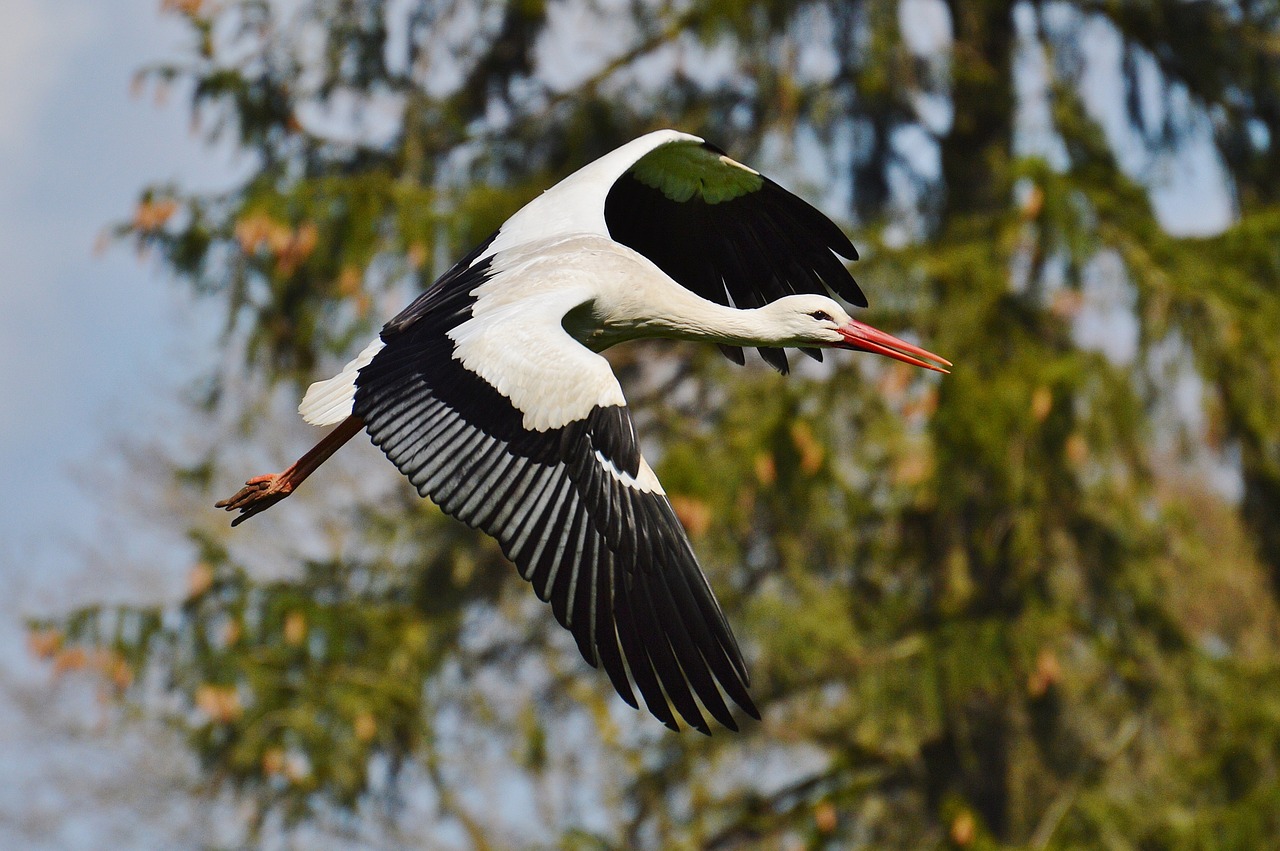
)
(489, 393)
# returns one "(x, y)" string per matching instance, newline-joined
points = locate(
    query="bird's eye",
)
(821, 316)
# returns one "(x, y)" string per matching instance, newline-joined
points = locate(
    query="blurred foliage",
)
(999, 610)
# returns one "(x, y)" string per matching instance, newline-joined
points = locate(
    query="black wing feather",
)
(612, 559)
(744, 251)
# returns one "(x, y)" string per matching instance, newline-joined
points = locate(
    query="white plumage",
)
(575, 205)
(489, 394)
(328, 402)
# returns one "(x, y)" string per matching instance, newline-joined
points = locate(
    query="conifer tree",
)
(1001, 609)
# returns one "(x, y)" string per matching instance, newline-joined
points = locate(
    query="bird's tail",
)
(329, 402)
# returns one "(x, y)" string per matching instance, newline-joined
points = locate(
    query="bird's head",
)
(814, 320)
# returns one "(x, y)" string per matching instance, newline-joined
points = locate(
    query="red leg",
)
(262, 492)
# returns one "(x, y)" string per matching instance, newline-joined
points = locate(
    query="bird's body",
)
(488, 392)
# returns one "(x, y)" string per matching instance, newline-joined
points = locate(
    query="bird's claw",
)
(257, 495)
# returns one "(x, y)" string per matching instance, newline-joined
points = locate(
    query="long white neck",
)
(603, 293)
(658, 307)
(706, 321)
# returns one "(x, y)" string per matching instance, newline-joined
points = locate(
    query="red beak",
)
(862, 337)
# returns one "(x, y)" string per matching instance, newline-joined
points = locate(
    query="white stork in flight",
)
(489, 394)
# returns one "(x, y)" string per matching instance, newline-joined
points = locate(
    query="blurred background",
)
(1029, 605)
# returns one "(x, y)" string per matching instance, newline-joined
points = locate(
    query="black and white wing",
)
(529, 439)
(727, 232)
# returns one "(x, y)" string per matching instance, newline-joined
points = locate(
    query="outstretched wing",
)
(565, 492)
(727, 232)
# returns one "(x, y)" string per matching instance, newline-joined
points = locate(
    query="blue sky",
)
(87, 337)
(92, 346)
